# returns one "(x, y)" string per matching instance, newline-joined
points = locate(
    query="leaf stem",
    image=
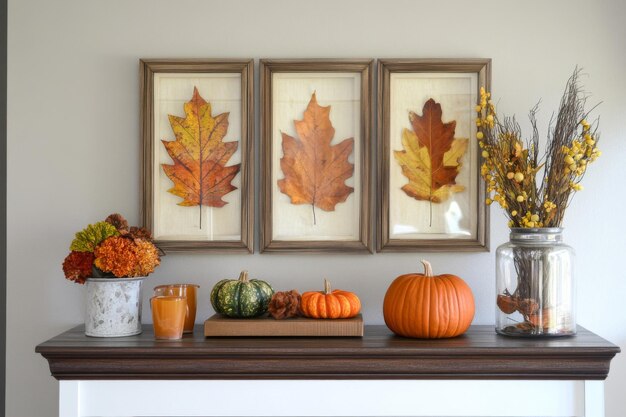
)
(314, 220)
(430, 220)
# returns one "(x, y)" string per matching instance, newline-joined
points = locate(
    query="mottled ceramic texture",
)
(113, 307)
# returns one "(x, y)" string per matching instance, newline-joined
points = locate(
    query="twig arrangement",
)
(511, 166)
(535, 191)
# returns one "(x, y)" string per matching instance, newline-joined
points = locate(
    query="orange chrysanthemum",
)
(116, 255)
(111, 249)
(147, 258)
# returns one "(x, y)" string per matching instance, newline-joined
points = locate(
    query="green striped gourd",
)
(241, 297)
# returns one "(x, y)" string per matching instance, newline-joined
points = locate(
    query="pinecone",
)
(285, 304)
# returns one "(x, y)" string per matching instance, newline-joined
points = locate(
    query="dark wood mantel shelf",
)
(479, 354)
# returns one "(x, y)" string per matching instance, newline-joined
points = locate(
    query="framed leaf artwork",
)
(315, 155)
(430, 196)
(198, 191)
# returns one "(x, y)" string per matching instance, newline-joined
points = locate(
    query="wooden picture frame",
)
(220, 190)
(290, 89)
(406, 221)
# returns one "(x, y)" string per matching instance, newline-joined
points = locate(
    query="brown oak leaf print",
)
(431, 158)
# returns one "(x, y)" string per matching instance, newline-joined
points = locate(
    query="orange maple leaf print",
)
(199, 173)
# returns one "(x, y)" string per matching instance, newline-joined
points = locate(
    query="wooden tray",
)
(218, 325)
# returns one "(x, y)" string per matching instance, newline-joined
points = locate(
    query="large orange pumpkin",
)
(329, 304)
(428, 307)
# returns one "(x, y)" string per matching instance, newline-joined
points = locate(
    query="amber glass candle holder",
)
(190, 292)
(168, 316)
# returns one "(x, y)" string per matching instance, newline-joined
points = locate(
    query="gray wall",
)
(3, 192)
(74, 148)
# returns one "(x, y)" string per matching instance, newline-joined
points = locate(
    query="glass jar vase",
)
(535, 284)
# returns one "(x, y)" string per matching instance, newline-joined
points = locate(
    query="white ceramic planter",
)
(113, 307)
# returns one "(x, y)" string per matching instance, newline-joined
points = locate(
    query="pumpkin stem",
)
(428, 269)
(326, 286)
(243, 277)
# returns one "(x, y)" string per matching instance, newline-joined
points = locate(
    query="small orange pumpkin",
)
(329, 304)
(428, 307)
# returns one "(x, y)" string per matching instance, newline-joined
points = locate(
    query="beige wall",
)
(73, 141)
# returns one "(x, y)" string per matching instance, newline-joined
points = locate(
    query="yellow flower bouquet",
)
(512, 166)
